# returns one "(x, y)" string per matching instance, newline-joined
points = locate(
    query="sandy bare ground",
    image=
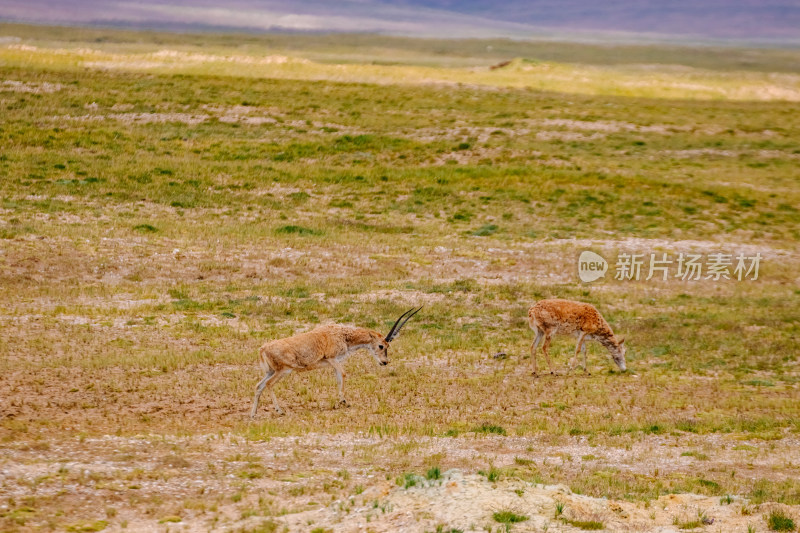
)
(348, 482)
(115, 259)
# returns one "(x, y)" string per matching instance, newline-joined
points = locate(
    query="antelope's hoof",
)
(342, 403)
(280, 412)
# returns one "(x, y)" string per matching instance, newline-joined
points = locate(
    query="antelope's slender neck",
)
(608, 341)
(353, 348)
(358, 337)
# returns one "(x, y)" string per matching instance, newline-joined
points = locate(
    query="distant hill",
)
(739, 20)
(729, 19)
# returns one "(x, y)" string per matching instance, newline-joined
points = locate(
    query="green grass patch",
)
(145, 228)
(490, 429)
(433, 473)
(492, 474)
(485, 230)
(587, 525)
(297, 230)
(695, 454)
(778, 521)
(80, 527)
(509, 517)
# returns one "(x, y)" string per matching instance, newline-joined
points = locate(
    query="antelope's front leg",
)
(337, 368)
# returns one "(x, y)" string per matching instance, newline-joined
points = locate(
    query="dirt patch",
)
(174, 58)
(159, 118)
(137, 118)
(253, 121)
(30, 87)
(183, 57)
(684, 154)
(714, 152)
(647, 245)
(553, 135)
(465, 157)
(409, 297)
(607, 126)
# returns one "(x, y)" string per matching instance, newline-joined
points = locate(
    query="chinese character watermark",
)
(715, 266)
(629, 266)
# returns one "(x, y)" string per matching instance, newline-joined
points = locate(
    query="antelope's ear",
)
(622, 340)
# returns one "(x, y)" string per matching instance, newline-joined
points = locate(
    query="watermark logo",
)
(591, 266)
(684, 266)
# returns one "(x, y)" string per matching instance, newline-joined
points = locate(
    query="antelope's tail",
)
(263, 359)
(532, 317)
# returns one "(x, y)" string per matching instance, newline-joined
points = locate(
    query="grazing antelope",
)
(548, 317)
(324, 346)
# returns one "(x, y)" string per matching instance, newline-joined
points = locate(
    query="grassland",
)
(166, 209)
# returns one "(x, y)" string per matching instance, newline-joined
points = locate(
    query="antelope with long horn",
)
(324, 346)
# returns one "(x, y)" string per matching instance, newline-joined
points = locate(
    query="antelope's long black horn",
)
(398, 325)
(391, 333)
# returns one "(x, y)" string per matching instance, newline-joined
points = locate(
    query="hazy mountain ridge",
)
(712, 18)
(778, 20)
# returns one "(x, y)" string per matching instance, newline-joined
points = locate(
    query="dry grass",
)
(628, 81)
(158, 225)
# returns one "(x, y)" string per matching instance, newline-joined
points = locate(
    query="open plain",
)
(171, 202)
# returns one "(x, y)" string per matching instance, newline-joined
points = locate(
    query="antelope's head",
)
(618, 353)
(380, 345)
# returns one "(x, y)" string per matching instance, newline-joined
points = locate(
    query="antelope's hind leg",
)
(271, 383)
(268, 382)
(259, 389)
(585, 368)
(534, 347)
(581, 343)
(339, 371)
(545, 347)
